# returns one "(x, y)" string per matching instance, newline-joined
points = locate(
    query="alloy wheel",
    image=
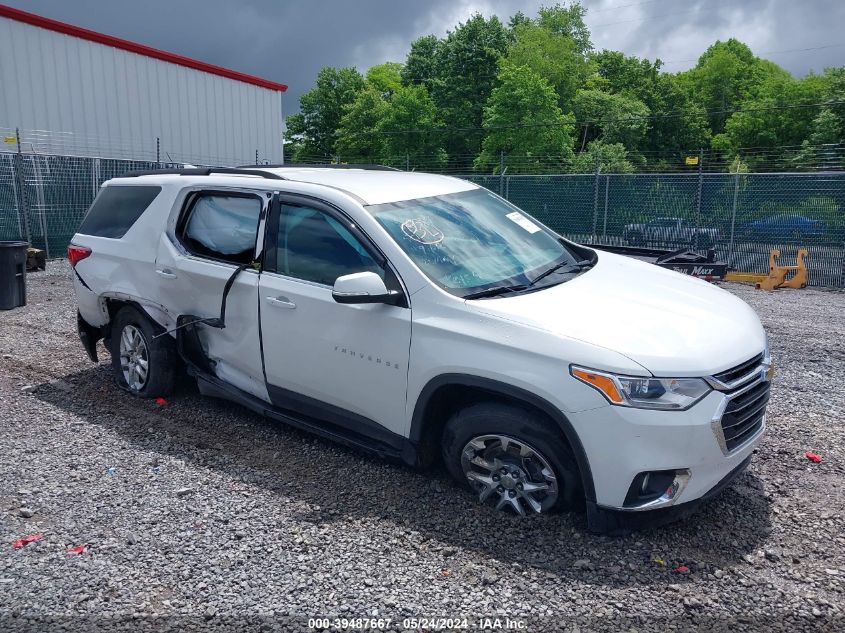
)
(134, 358)
(510, 472)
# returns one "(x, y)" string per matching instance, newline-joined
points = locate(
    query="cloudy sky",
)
(289, 40)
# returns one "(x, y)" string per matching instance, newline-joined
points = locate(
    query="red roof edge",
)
(133, 47)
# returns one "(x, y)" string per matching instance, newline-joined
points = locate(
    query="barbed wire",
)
(803, 157)
(806, 157)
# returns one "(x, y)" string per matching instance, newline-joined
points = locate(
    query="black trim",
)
(731, 374)
(89, 335)
(81, 280)
(332, 417)
(265, 254)
(621, 522)
(203, 171)
(495, 387)
(271, 233)
(365, 166)
(391, 298)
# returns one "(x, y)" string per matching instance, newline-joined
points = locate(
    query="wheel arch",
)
(156, 314)
(447, 392)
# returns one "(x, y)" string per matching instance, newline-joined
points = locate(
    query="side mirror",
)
(365, 287)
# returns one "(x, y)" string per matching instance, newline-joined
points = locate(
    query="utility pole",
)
(23, 207)
(596, 196)
(700, 188)
(733, 215)
(606, 197)
(584, 138)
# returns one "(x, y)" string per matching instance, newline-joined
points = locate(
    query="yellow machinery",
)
(799, 279)
(745, 278)
(777, 274)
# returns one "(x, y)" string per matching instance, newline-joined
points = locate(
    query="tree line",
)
(534, 95)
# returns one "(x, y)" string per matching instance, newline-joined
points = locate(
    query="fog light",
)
(656, 488)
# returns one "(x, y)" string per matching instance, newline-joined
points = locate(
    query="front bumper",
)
(623, 442)
(619, 522)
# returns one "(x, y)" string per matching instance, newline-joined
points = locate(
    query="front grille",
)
(744, 413)
(729, 375)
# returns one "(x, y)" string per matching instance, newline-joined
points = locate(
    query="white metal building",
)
(73, 91)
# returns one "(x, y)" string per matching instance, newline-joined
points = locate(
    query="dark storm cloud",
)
(290, 41)
(679, 31)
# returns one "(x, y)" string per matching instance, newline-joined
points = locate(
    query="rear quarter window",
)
(116, 209)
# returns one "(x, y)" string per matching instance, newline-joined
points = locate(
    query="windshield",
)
(474, 241)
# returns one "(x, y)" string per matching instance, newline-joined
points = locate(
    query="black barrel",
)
(12, 274)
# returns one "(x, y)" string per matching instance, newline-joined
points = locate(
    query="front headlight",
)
(767, 360)
(671, 394)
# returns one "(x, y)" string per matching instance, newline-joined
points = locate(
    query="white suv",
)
(418, 316)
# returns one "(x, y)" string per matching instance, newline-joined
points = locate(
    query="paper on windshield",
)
(524, 222)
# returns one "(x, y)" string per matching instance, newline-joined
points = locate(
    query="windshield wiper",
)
(495, 291)
(563, 267)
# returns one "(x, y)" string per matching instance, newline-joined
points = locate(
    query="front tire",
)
(512, 458)
(143, 365)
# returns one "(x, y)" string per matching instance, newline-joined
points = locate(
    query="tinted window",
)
(316, 247)
(116, 209)
(223, 227)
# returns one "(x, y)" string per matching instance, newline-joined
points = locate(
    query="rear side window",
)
(116, 209)
(223, 227)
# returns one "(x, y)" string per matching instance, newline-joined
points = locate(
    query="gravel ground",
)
(199, 515)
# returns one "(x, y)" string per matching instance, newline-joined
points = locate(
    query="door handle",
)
(166, 274)
(281, 302)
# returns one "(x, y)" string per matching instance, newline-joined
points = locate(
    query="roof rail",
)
(204, 171)
(324, 166)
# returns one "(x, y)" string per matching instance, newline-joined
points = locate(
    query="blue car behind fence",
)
(779, 227)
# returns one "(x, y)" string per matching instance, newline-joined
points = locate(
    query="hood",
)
(674, 325)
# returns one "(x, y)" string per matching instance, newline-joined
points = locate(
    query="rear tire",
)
(512, 457)
(143, 365)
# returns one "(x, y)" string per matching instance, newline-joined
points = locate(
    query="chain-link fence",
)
(43, 198)
(743, 215)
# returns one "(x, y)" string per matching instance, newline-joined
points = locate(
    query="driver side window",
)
(314, 246)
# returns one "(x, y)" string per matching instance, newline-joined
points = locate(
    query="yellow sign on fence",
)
(10, 139)
(691, 160)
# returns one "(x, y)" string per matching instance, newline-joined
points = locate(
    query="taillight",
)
(77, 253)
